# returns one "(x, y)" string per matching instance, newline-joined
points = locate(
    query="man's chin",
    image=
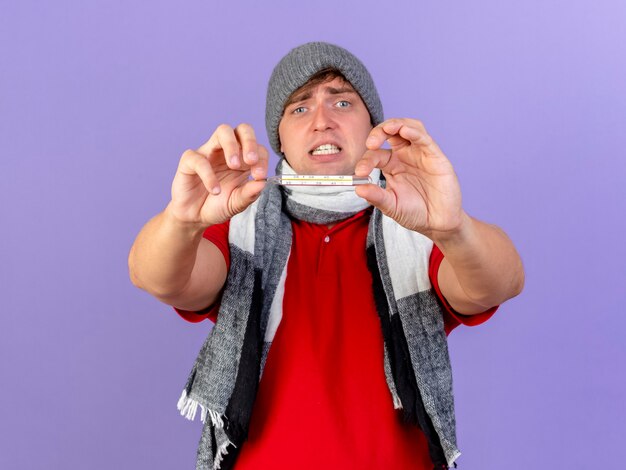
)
(330, 168)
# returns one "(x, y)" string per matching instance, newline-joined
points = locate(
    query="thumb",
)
(245, 195)
(381, 198)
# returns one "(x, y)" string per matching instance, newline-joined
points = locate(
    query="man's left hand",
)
(422, 191)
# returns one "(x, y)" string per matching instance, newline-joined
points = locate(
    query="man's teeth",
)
(326, 149)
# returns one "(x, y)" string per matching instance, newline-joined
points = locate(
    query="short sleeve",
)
(452, 319)
(218, 235)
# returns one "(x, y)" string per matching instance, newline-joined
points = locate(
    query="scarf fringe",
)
(188, 408)
(221, 452)
(453, 458)
(397, 403)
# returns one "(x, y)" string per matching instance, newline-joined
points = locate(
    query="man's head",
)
(321, 94)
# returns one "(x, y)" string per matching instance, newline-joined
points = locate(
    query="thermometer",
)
(319, 180)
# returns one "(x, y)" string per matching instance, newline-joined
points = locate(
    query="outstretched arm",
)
(481, 267)
(170, 259)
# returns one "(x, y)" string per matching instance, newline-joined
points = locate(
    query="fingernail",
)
(258, 171)
(216, 190)
(252, 157)
(234, 160)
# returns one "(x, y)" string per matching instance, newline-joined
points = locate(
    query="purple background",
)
(98, 100)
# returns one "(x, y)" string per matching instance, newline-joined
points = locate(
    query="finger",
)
(247, 140)
(372, 159)
(259, 169)
(208, 146)
(383, 131)
(398, 132)
(225, 142)
(194, 163)
(417, 135)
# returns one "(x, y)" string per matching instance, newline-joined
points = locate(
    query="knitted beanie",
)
(299, 65)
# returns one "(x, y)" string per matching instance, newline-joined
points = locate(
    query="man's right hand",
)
(170, 259)
(211, 184)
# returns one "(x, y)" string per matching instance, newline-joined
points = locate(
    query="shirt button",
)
(326, 238)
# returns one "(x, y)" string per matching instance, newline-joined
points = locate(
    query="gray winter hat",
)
(300, 64)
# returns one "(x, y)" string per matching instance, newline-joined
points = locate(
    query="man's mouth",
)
(326, 149)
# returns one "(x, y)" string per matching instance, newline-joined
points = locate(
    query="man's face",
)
(324, 128)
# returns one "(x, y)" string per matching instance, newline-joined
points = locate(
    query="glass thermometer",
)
(319, 180)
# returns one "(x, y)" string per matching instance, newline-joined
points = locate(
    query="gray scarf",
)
(224, 379)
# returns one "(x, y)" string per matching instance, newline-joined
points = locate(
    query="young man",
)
(355, 290)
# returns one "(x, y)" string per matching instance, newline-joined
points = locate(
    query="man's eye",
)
(299, 109)
(343, 104)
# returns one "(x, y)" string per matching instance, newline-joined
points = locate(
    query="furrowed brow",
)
(338, 91)
(303, 96)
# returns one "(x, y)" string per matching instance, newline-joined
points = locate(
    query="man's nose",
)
(322, 118)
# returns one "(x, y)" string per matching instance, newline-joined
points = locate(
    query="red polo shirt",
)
(323, 401)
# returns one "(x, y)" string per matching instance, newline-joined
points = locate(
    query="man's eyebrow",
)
(306, 94)
(338, 91)
(302, 96)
